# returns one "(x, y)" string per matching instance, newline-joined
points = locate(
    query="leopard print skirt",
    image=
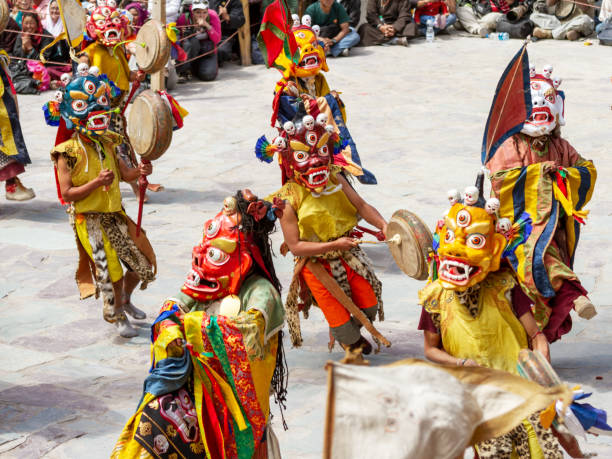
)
(517, 441)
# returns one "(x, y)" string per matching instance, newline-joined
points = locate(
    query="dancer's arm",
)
(365, 210)
(72, 193)
(433, 351)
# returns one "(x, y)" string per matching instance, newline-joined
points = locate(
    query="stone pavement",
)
(68, 383)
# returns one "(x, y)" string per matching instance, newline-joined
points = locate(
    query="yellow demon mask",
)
(469, 246)
(312, 55)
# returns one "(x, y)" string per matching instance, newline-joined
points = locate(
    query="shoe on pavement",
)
(584, 307)
(15, 191)
(345, 52)
(483, 32)
(133, 311)
(125, 328)
(403, 41)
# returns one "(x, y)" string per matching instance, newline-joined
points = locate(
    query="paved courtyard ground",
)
(68, 383)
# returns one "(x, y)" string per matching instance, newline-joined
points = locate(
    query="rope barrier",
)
(21, 32)
(38, 60)
(209, 52)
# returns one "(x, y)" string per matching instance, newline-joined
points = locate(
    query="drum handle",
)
(143, 183)
(379, 234)
(135, 86)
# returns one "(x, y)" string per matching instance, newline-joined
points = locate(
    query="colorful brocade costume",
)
(554, 196)
(13, 151)
(470, 307)
(216, 404)
(217, 349)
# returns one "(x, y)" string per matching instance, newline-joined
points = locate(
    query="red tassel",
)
(59, 191)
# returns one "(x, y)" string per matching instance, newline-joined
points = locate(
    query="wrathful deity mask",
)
(107, 25)
(85, 105)
(221, 261)
(311, 55)
(548, 104)
(469, 246)
(308, 155)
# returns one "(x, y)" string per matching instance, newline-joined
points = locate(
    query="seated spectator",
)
(438, 12)
(605, 13)
(477, 17)
(204, 35)
(9, 35)
(335, 31)
(53, 22)
(30, 77)
(232, 18)
(389, 23)
(353, 9)
(139, 15)
(42, 8)
(20, 7)
(579, 23)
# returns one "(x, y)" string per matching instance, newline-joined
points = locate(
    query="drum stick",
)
(394, 240)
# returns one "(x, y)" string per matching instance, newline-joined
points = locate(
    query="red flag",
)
(511, 105)
(275, 33)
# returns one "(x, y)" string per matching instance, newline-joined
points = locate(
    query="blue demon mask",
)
(85, 105)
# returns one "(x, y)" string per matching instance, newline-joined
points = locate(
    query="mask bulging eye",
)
(212, 229)
(476, 241)
(90, 87)
(216, 256)
(300, 156)
(79, 105)
(449, 237)
(103, 100)
(463, 218)
(324, 151)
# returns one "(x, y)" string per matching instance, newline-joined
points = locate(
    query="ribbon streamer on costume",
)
(563, 194)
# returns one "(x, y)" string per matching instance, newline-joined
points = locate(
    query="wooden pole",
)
(159, 13)
(244, 36)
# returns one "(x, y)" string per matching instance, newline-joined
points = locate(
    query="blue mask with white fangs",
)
(86, 106)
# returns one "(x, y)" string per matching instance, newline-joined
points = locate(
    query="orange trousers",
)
(361, 292)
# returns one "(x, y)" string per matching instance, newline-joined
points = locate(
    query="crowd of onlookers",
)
(207, 29)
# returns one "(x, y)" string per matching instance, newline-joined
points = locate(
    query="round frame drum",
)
(153, 56)
(416, 242)
(149, 125)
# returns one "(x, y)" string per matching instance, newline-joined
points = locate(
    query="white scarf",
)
(49, 26)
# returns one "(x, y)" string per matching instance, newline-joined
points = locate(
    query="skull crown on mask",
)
(548, 104)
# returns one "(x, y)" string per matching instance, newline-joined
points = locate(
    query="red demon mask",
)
(107, 25)
(223, 258)
(308, 153)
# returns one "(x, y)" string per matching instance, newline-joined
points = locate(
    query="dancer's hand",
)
(105, 177)
(540, 343)
(145, 168)
(470, 363)
(549, 166)
(345, 243)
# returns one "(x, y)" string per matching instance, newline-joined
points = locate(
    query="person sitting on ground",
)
(353, 9)
(335, 31)
(9, 35)
(605, 13)
(19, 8)
(476, 17)
(52, 23)
(28, 46)
(231, 16)
(388, 23)
(207, 30)
(578, 23)
(139, 15)
(440, 13)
